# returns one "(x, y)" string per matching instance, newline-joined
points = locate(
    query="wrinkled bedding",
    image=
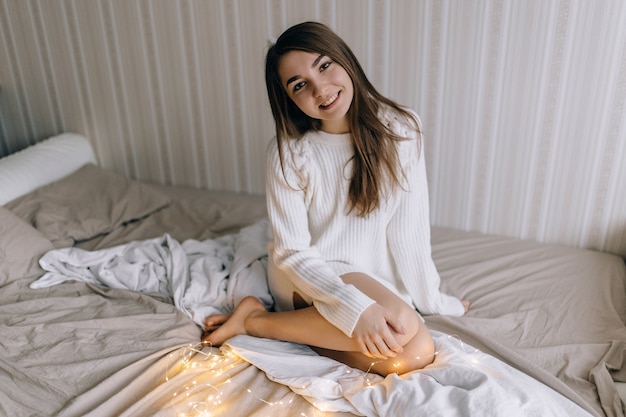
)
(554, 313)
(202, 277)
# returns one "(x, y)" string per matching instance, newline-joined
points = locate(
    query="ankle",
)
(252, 324)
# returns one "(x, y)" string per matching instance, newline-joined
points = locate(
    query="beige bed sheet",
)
(557, 313)
(554, 312)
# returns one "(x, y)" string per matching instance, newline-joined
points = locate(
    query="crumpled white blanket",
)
(462, 382)
(202, 277)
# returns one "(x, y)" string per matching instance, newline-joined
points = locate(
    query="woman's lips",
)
(329, 102)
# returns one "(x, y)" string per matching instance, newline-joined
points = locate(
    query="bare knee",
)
(411, 322)
(418, 353)
(403, 313)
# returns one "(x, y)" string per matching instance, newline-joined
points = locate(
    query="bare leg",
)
(307, 326)
(418, 353)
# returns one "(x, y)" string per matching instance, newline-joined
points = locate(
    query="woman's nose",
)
(319, 88)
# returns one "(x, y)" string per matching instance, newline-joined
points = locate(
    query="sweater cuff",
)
(452, 306)
(345, 314)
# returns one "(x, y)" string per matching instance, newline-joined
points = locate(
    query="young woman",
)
(347, 197)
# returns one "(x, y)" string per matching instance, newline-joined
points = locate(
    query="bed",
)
(104, 282)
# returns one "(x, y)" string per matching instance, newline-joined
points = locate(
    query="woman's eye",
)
(298, 86)
(325, 65)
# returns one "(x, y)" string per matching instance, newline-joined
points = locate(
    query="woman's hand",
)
(373, 333)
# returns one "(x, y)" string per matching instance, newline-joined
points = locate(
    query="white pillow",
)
(43, 163)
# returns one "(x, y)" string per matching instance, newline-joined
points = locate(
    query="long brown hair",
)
(376, 166)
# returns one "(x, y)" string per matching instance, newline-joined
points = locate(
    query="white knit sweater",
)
(316, 239)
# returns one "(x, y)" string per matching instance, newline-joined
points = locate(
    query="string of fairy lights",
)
(210, 364)
(210, 375)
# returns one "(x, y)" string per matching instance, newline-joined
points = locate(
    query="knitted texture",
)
(316, 239)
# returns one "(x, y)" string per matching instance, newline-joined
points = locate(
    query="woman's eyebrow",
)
(292, 79)
(317, 60)
(313, 65)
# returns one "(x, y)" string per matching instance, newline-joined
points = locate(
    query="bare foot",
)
(466, 305)
(221, 327)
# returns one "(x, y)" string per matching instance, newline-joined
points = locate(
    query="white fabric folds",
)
(202, 277)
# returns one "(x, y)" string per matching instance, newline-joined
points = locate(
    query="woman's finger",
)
(392, 343)
(385, 349)
(372, 349)
(363, 348)
(390, 339)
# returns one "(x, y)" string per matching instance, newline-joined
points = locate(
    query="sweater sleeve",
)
(408, 236)
(286, 189)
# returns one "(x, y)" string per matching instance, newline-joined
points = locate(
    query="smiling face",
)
(320, 87)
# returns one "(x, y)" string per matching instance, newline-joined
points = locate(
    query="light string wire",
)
(465, 348)
(194, 357)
